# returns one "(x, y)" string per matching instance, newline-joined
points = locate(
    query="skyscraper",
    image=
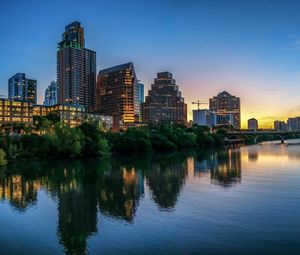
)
(76, 69)
(51, 94)
(117, 93)
(22, 89)
(164, 102)
(226, 104)
(141, 92)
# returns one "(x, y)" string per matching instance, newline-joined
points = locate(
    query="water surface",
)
(237, 201)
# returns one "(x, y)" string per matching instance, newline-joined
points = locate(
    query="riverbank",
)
(86, 140)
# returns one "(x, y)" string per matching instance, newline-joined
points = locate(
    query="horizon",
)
(256, 58)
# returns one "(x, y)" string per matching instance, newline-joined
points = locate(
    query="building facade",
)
(204, 117)
(293, 124)
(280, 125)
(225, 119)
(51, 94)
(164, 103)
(22, 89)
(253, 124)
(117, 93)
(224, 104)
(73, 116)
(15, 112)
(76, 69)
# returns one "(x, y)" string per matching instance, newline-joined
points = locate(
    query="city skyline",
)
(256, 58)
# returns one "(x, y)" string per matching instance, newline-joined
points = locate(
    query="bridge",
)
(280, 134)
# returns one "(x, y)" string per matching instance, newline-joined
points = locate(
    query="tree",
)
(68, 141)
(94, 142)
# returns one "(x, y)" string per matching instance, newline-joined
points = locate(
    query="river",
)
(235, 201)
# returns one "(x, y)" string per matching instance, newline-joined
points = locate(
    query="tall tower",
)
(76, 69)
(51, 94)
(164, 103)
(22, 89)
(117, 93)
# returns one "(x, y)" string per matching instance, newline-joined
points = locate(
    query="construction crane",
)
(199, 103)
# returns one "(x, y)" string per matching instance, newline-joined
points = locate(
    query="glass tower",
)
(117, 93)
(51, 94)
(22, 89)
(76, 69)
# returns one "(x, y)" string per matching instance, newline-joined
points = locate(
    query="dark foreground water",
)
(243, 201)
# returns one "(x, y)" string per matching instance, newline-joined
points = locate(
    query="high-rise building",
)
(140, 98)
(76, 69)
(293, 124)
(280, 125)
(252, 124)
(224, 104)
(164, 103)
(141, 92)
(117, 93)
(51, 94)
(22, 89)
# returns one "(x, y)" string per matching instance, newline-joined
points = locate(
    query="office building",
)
(164, 103)
(280, 125)
(22, 89)
(117, 93)
(226, 104)
(253, 124)
(76, 69)
(141, 92)
(204, 117)
(293, 124)
(51, 94)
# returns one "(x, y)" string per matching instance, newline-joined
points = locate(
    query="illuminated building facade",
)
(69, 115)
(51, 94)
(12, 112)
(117, 93)
(73, 116)
(164, 103)
(76, 69)
(226, 104)
(253, 124)
(22, 89)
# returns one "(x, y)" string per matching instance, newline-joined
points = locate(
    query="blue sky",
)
(250, 48)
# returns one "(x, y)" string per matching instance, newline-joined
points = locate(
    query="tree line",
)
(48, 137)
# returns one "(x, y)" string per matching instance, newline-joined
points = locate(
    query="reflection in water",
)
(227, 170)
(253, 154)
(113, 187)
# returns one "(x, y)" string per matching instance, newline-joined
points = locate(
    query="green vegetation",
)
(3, 160)
(49, 138)
(164, 138)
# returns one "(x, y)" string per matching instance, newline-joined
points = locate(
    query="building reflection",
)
(227, 170)
(252, 154)
(114, 188)
(224, 167)
(20, 192)
(119, 192)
